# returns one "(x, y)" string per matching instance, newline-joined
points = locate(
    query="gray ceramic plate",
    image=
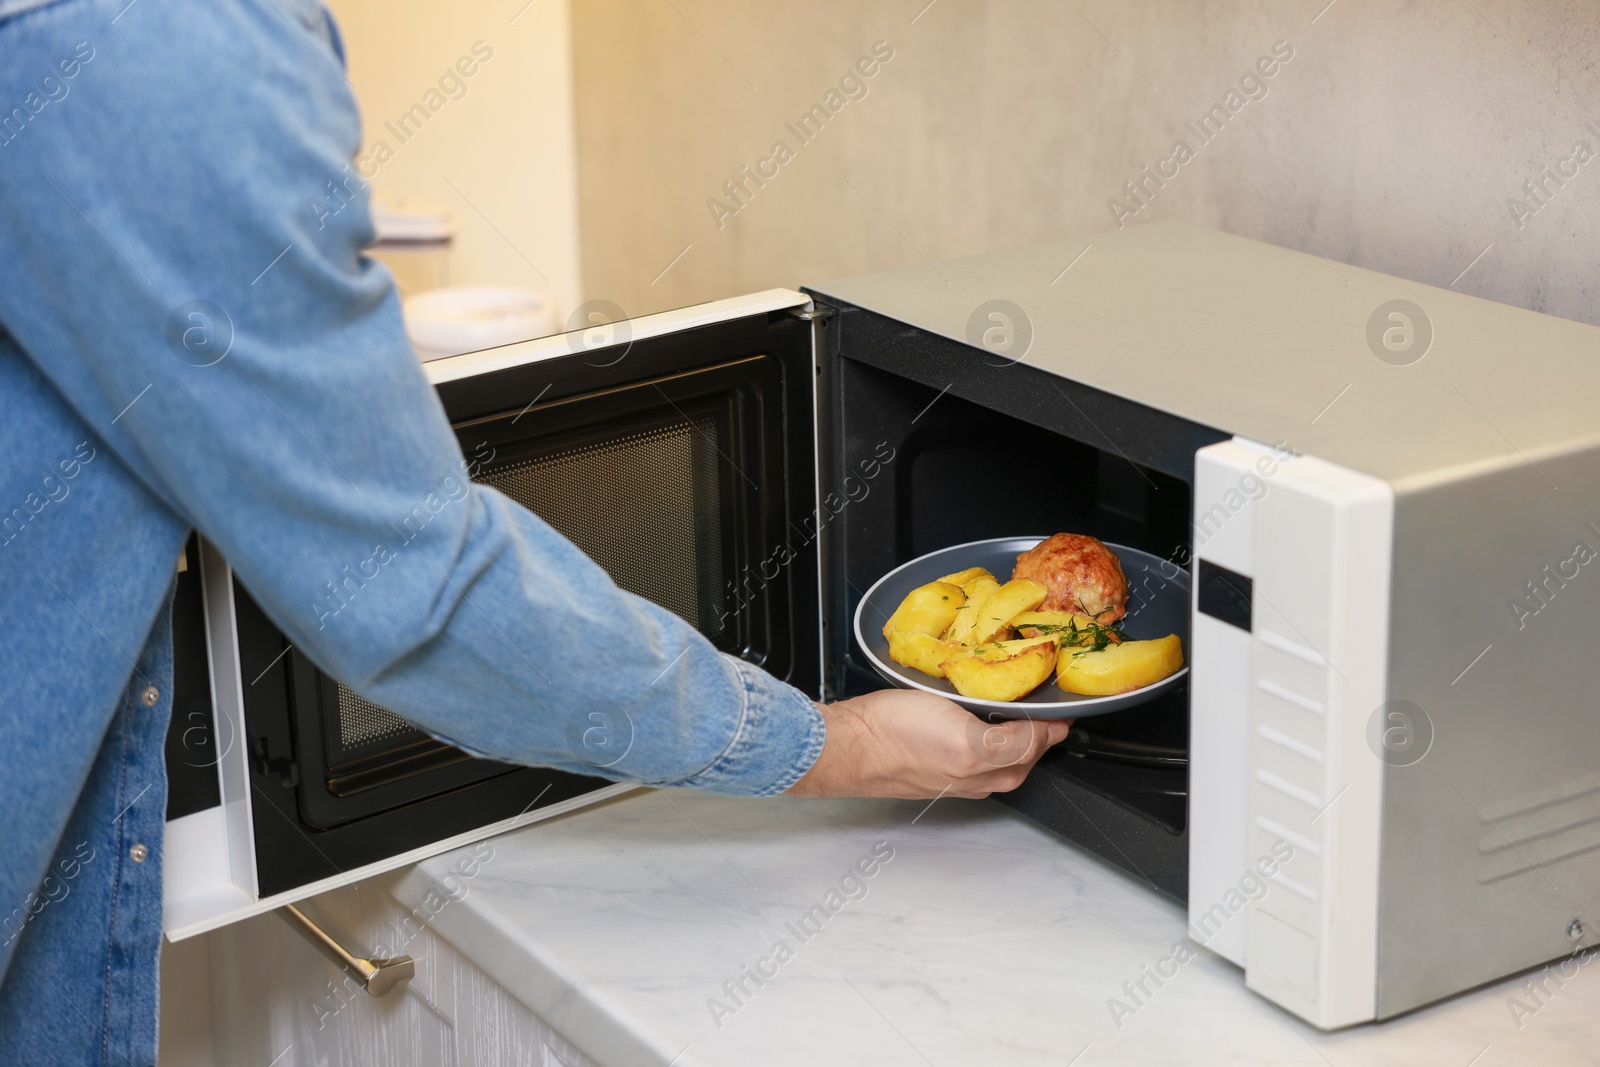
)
(1158, 604)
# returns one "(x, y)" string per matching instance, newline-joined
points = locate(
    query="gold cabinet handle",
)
(377, 976)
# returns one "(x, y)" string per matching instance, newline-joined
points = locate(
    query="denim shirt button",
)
(150, 695)
(138, 852)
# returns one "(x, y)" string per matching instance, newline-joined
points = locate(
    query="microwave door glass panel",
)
(641, 496)
(363, 723)
(645, 505)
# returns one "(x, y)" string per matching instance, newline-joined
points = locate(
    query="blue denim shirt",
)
(162, 153)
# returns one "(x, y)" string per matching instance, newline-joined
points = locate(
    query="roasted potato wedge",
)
(1118, 668)
(928, 609)
(999, 650)
(965, 625)
(1039, 623)
(1004, 670)
(961, 578)
(1011, 599)
(921, 652)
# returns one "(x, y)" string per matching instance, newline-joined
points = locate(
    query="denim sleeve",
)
(194, 285)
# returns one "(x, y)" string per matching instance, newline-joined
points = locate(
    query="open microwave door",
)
(678, 450)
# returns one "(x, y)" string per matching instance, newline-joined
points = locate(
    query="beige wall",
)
(1393, 139)
(502, 155)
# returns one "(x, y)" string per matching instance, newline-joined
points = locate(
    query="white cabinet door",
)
(277, 1001)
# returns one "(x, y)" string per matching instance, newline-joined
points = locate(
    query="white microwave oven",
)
(1378, 785)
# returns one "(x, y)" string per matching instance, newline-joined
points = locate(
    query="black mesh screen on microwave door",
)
(361, 722)
(646, 506)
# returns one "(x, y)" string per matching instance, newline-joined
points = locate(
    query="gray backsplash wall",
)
(1394, 138)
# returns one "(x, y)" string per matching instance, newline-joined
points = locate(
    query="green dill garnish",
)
(1092, 637)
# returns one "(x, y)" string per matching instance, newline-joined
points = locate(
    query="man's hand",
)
(914, 745)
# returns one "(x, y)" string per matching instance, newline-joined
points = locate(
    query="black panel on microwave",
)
(191, 749)
(1225, 595)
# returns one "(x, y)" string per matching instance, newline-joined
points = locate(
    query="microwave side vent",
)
(1525, 833)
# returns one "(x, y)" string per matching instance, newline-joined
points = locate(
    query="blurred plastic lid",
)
(411, 219)
(448, 322)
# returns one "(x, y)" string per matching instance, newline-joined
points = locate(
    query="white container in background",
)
(411, 219)
(414, 238)
(448, 322)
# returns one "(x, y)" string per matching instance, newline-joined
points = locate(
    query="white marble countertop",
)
(984, 940)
